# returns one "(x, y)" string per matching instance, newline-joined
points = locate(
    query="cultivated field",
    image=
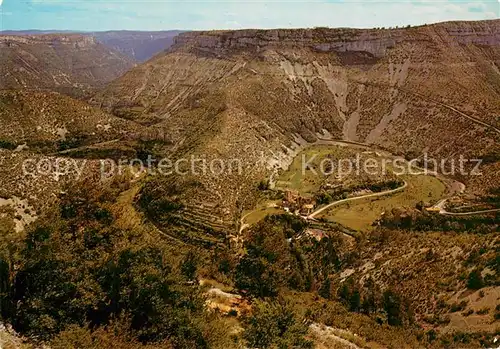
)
(361, 214)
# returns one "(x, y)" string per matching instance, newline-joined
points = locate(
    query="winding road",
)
(243, 225)
(388, 192)
(440, 205)
(472, 213)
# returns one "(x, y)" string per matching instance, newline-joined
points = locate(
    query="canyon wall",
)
(74, 40)
(373, 41)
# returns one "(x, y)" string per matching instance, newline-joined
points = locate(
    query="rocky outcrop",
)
(74, 40)
(325, 40)
(477, 33)
(373, 41)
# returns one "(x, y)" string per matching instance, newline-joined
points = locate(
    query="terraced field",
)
(260, 212)
(197, 225)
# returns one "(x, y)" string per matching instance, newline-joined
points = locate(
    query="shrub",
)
(263, 185)
(483, 311)
(324, 198)
(496, 315)
(275, 325)
(458, 306)
(7, 145)
(475, 280)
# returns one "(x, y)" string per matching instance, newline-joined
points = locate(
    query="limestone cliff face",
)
(373, 41)
(61, 62)
(477, 33)
(318, 39)
(73, 40)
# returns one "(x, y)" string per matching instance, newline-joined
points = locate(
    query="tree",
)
(326, 289)
(420, 206)
(475, 280)
(275, 325)
(189, 266)
(269, 262)
(371, 295)
(397, 309)
(258, 276)
(263, 185)
(355, 301)
(346, 290)
(5, 289)
(324, 198)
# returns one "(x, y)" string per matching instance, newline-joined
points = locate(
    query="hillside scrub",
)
(76, 275)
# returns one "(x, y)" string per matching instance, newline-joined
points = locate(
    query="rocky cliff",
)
(477, 33)
(73, 40)
(62, 62)
(373, 41)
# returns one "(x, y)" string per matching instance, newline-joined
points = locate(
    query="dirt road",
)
(387, 192)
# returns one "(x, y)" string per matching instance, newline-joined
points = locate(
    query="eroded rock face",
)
(478, 33)
(74, 40)
(324, 40)
(373, 41)
(61, 62)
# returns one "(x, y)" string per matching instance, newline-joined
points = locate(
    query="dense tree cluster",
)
(327, 196)
(280, 254)
(417, 220)
(276, 325)
(387, 306)
(76, 272)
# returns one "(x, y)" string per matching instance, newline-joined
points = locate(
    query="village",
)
(296, 204)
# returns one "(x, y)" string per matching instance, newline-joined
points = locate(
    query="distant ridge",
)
(138, 45)
(65, 62)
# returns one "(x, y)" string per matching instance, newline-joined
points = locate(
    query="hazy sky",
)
(231, 14)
